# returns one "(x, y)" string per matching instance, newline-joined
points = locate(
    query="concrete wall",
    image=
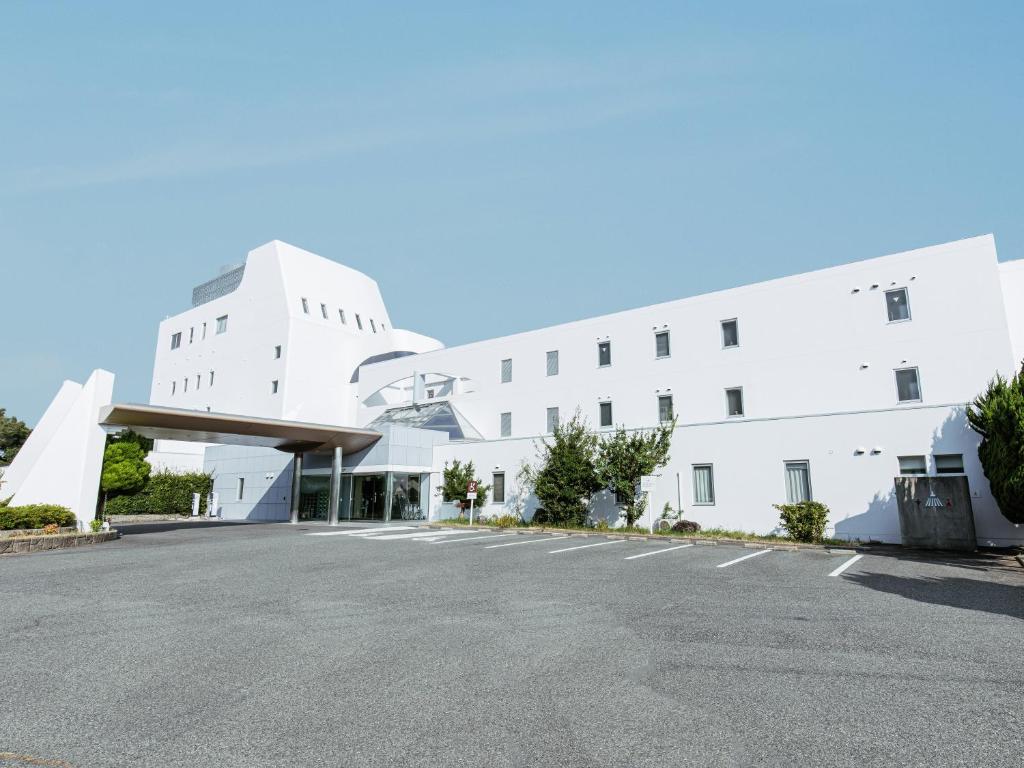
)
(267, 474)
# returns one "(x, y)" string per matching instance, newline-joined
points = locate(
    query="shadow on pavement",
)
(173, 525)
(957, 592)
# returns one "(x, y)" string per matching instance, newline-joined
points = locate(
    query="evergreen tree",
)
(625, 457)
(565, 477)
(998, 416)
(125, 469)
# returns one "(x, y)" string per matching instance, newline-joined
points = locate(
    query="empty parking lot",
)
(302, 645)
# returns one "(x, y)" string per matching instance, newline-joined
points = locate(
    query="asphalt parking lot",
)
(253, 645)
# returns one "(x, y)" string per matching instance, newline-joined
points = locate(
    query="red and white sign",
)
(471, 490)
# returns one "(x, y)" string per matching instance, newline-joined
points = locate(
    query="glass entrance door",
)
(314, 497)
(369, 497)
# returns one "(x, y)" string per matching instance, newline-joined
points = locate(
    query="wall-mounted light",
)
(865, 365)
(855, 290)
(876, 450)
(873, 286)
(858, 451)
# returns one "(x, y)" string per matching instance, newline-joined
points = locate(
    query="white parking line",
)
(587, 546)
(657, 552)
(474, 538)
(745, 557)
(419, 535)
(364, 531)
(528, 541)
(846, 565)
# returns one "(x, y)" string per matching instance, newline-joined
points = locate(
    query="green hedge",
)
(804, 521)
(35, 516)
(166, 493)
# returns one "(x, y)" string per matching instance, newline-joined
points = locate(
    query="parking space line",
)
(516, 543)
(657, 552)
(474, 538)
(846, 565)
(418, 535)
(364, 531)
(587, 546)
(745, 557)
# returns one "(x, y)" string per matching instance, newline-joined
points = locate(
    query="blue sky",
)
(496, 167)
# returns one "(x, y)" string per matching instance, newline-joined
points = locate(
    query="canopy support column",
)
(335, 500)
(296, 486)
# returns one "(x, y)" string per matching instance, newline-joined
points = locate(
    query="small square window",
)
(604, 353)
(605, 414)
(273, 387)
(913, 465)
(621, 497)
(734, 401)
(498, 488)
(661, 344)
(175, 340)
(506, 371)
(277, 352)
(506, 424)
(730, 333)
(908, 385)
(305, 307)
(552, 363)
(665, 411)
(323, 310)
(341, 315)
(222, 324)
(552, 419)
(359, 322)
(703, 484)
(949, 463)
(373, 325)
(897, 305)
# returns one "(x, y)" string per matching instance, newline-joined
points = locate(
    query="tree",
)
(625, 457)
(125, 469)
(565, 477)
(128, 436)
(13, 434)
(998, 416)
(456, 478)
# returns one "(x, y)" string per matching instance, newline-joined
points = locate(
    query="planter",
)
(10, 545)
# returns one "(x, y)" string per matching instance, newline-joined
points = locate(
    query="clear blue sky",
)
(495, 166)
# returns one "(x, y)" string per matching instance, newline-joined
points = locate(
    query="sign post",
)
(646, 486)
(471, 495)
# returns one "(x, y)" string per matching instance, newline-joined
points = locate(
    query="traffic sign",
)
(471, 490)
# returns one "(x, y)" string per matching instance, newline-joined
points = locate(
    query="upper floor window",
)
(323, 310)
(185, 382)
(604, 353)
(605, 414)
(498, 488)
(908, 385)
(277, 352)
(191, 334)
(341, 314)
(506, 424)
(949, 463)
(734, 401)
(661, 344)
(273, 387)
(552, 419)
(199, 380)
(506, 371)
(359, 322)
(204, 331)
(552, 363)
(174, 386)
(222, 323)
(730, 333)
(211, 378)
(175, 340)
(373, 325)
(665, 411)
(305, 307)
(913, 465)
(897, 304)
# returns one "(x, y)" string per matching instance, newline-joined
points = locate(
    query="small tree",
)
(125, 469)
(804, 520)
(625, 457)
(13, 434)
(565, 477)
(456, 478)
(998, 416)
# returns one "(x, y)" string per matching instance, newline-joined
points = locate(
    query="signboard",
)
(471, 490)
(647, 483)
(195, 504)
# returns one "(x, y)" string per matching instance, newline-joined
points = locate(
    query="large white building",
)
(825, 385)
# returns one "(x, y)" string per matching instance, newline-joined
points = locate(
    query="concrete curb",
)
(1020, 559)
(18, 546)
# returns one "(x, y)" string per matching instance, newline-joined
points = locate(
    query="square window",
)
(359, 322)
(222, 324)
(665, 412)
(175, 340)
(703, 484)
(604, 353)
(277, 352)
(305, 307)
(908, 385)
(605, 411)
(506, 424)
(621, 497)
(949, 463)
(498, 488)
(323, 310)
(730, 333)
(913, 465)
(734, 401)
(897, 305)
(506, 371)
(273, 387)
(552, 363)
(661, 344)
(341, 315)
(552, 419)
(798, 482)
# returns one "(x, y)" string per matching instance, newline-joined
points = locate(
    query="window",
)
(665, 412)
(273, 387)
(430, 394)
(373, 325)
(908, 385)
(621, 497)
(605, 414)
(498, 487)
(506, 424)
(949, 463)
(604, 353)
(661, 345)
(191, 334)
(734, 401)
(798, 482)
(204, 331)
(552, 419)
(730, 333)
(222, 324)
(211, 378)
(341, 314)
(305, 307)
(359, 322)
(174, 386)
(240, 491)
(552, 363)
(277, 352)
(323, 310)
(897, 305)
(703, 484)
(913, 465)
(185, 388)
(175, 340)
(506, 371)
(199, 380)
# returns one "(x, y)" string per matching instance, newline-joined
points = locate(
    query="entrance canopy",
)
(161, 423)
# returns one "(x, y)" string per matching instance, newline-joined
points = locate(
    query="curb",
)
(17, 546)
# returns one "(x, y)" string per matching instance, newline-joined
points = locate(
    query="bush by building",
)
(166, 493)
(804, 521)
(35, 516)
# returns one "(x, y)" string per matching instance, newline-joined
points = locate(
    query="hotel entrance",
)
(379, 497)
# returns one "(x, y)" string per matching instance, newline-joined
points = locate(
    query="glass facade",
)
(380, 496)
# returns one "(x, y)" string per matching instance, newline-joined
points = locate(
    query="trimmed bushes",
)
(804, 521)
(686, 526)
(166, 493)
(35, 516)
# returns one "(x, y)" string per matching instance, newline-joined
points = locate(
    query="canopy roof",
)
(162, 423)
(440, 416)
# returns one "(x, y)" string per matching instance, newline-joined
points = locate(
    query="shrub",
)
(96, 525)
(166, 493)
(35, 516)
(686, 526)
(804, 521)
(996, 416)
(51, 529)
(505, 521)
(127, 505)
(565, 476)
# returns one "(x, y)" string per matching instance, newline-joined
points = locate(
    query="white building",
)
(823, 385)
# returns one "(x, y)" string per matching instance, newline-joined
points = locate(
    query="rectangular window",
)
(204, 330)
(730, 333)
(185, 389)
(191, 334)
(341, 314)
(734, 401)
(665, 412)
(798, 482)
(273, 387)
(604, 353)
(908, 385)
(174, 386)
(222, 324)
(359, 322)
(498, 488)
(897, 305)
(373, 325)
(323, 310)
(605, 413)
(661, 345)
(621, 497)
(277, 352)
(949, 463)
(913, 465)
(175, 340)
(703, 484)
(506, 424)
(552, 363)
(305, 307)
(552, 419)
(199, 380)
(506, 371)
(240, 491)
(211, 378)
